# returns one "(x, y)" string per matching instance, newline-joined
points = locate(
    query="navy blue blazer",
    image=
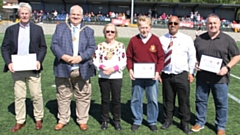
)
(62, 44)
(10, 43)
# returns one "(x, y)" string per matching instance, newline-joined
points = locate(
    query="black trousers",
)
(179, 85)
(112, 86)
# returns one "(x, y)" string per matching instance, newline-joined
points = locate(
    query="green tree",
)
(1, 4)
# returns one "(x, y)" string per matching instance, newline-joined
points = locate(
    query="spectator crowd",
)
(199, 22)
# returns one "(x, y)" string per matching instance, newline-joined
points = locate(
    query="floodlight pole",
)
(132, 9)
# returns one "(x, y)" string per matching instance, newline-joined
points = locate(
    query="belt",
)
(171, 74)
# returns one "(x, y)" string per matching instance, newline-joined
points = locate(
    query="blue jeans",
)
(220, 96)
(151, 87)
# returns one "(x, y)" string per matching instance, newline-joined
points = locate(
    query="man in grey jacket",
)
(73, 45)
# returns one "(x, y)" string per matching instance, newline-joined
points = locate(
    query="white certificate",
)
(211, 64)
(144, 70)
(24, 62)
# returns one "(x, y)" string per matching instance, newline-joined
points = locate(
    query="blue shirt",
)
(23, 39)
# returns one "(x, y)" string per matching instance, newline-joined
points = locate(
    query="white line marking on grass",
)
(234, 98)
(235, 76)
(230, 95)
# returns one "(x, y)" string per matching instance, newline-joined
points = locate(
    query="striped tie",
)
(169, 52)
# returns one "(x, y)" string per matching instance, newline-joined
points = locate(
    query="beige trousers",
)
(20, 79)
(82, 93)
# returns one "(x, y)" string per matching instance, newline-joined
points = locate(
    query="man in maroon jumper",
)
(145, 48)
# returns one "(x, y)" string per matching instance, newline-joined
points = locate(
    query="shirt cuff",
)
(101, 66)
(192, 71)
(116, 68)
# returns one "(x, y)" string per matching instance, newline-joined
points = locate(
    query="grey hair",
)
(213, 15)
(24, 5)
(81, 10)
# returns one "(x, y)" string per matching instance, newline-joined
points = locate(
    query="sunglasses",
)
(171, 23)
(108, 31)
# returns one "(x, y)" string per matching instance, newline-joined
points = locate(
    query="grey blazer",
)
(62, 44)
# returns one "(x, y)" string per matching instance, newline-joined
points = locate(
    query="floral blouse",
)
(110, 56)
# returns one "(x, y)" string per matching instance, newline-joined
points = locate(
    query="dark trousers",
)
(173, 85)
(112, 86)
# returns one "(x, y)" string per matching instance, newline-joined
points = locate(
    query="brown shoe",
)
(38, 125)
(59, 126)
(83, 127)
(221, 132)
(17, 127)
(197, 128)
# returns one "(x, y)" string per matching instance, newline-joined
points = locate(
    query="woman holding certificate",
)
(110, 60)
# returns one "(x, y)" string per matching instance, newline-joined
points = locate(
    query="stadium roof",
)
(128, 3)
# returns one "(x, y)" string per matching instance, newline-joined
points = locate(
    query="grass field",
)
(7, 117)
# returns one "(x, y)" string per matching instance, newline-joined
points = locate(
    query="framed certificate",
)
(24, 62)
(211, 64)
(144, 70)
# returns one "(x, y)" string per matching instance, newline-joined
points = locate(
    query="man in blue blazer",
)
(22, 39)
(73, 45)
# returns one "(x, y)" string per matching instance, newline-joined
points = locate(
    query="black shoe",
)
(117, 126)
(104, 125)
(166, 125)
(186, 129)
(153, 128)
(135, 127)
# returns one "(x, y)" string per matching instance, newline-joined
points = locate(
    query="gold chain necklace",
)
(73, 38)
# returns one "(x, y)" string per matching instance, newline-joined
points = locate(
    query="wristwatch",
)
(228, 68)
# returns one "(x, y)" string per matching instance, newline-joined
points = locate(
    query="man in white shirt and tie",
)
(179, 66)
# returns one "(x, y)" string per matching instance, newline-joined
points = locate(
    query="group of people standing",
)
(175, 57)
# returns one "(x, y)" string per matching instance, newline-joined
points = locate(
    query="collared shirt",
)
(183, 57)
(146, 38)
(223, 46)
(23, 39)
(75, 41)
(149, 52)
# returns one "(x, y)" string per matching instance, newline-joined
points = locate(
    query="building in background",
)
(9, 10)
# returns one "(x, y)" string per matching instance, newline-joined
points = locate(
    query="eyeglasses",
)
(171, 23)
(108, 31)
